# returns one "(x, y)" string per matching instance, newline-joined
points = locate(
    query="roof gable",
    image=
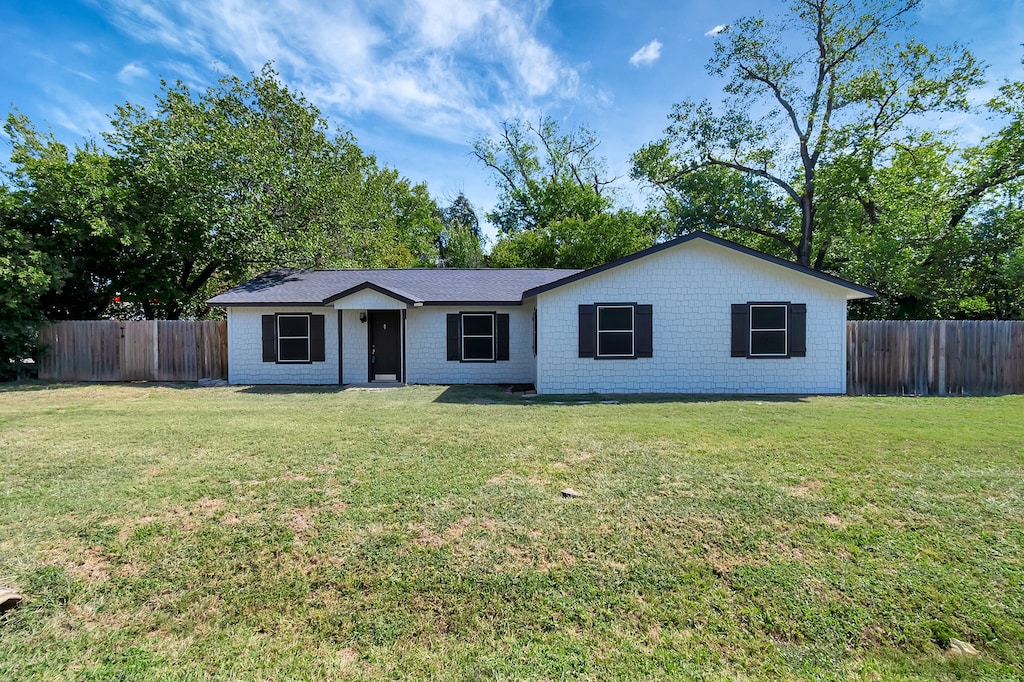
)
(389, 292)
(857, 289)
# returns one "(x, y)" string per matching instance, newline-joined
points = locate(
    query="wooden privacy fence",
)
(934, 357)
(151, 350)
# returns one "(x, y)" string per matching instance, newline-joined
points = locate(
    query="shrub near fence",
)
(935, 357)
(152, 350)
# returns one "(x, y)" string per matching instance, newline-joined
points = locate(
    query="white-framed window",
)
(478, 337)
(293, 338)
(769, 334)
(615, 331)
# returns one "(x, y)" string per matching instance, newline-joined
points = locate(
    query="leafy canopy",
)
(826, 80)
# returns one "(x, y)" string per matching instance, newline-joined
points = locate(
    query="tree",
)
(26, 273)
(556, 205)
(244, 176)
(934, 229)
(64, 205)
(460, 244)
(544, 175)
(575, 243)
(198, 194)
(824, 83)
(59, 248)
(461, 212)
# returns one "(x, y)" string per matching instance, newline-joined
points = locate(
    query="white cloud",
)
(444, 23)
(445, 68)
(646, 55)
(71, 111)
(173, 70)
(131, 73)
(716, 30)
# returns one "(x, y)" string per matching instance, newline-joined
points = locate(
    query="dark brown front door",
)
(385, 345)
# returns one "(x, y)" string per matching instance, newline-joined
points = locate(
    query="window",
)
(615, 331)
(768, 330)
(478, 337)
(293, 338)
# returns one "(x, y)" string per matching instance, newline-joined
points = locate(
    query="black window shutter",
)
(797, 330)
(454, 352)
(740, 330)
(501, 336)
(269, 338)
(588, 331)
(644, 321)
(535, 332)
(317, 352)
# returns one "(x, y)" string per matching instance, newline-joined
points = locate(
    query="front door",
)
(385, 345)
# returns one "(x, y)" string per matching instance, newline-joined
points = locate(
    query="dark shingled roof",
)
(438, 286)
(423, 285)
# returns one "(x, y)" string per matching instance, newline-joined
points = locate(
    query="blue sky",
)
(418, 80)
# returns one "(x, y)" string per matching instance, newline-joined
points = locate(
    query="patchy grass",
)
(162, 532)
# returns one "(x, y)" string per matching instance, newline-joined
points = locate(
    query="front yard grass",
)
(162, 532)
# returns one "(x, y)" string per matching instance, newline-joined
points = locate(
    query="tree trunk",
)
(803, 256)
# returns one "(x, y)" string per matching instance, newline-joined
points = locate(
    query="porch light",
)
(362, 316)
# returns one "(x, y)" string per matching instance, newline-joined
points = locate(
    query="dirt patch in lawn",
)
(834, 521)
(425, 537)
(185, 518)
(808, 488)
(91, 565)
(300, 522)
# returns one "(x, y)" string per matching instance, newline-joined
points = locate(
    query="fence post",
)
(156, 350)
(942, 358)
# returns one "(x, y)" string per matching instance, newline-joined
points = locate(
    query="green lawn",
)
(163, 532)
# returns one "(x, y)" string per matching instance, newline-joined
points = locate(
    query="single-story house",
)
(696, 314)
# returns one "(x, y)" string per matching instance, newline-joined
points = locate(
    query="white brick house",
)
(697, 314)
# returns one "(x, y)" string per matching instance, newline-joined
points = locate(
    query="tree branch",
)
(710, 160)
(777, 91)
(203, 277)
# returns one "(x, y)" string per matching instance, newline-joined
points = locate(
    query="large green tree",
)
(247, 175)
(544, 174)
(904, 234)
(575, 243)
(60, 251)
(830, 79)
(935, 225)
(27, 272)
(65, 205)
(556, 204)
(460, 244)
(187, 198)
